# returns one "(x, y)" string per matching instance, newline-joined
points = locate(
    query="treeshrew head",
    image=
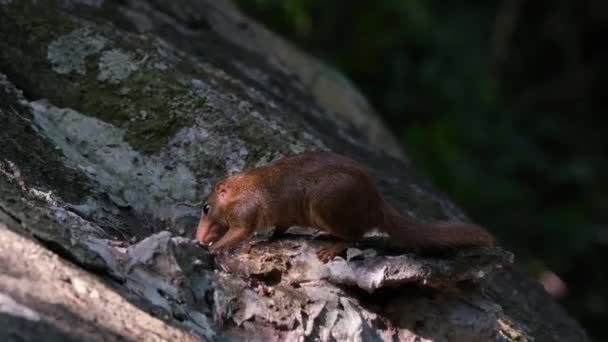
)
(212, 224)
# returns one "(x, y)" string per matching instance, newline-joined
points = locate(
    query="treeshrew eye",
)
(206, 208)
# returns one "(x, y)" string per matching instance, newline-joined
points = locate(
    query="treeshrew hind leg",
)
(325, 254)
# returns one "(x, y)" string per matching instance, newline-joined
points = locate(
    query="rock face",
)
(117, 117)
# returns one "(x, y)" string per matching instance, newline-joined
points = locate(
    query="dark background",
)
(502, 103)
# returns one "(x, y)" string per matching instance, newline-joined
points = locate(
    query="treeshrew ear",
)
(222, 192)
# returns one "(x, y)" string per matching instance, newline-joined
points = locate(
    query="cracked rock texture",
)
(117, 117)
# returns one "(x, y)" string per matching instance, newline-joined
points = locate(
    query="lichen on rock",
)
(132, 179)
(115, 66)
(69, 52)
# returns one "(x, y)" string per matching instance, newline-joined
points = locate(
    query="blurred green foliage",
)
(501, 102)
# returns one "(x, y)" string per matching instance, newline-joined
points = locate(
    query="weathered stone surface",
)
(45, 298)
(116, 117)
(293, 261)
(335, 93)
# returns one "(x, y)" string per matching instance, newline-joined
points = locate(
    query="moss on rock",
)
(85, 68)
